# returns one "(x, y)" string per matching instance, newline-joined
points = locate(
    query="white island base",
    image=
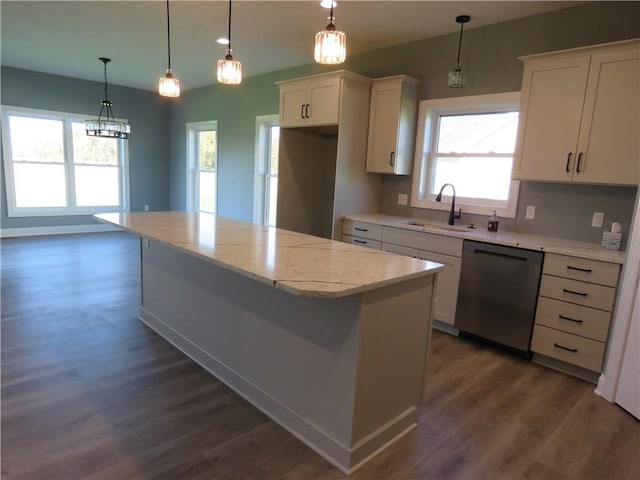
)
(344, 375)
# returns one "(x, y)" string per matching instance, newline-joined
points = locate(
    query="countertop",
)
(297, 263)
(561, 246)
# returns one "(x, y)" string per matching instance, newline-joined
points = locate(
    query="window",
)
(266, 184)
(468, 142)
(202, 162)
(53, 168)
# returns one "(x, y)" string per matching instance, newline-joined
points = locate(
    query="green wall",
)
(490, 60)
(148, 144)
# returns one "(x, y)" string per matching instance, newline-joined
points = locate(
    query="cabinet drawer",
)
(361, 229)
(588, 294)
(569, 348)
(363, 242)
(571, 318)
(583, 269)
(400, 250)
(423, 241)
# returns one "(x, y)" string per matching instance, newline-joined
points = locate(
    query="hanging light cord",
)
(168, 38)
(229, 47)
(105, 61)
(331, 19)
(460, 43)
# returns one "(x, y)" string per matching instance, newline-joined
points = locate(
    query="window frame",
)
(261, 190)
(193, 172)
(426, 137)
(67, 120)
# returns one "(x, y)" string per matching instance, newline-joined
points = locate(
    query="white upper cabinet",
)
(580, 116)
(310, 101)
(392, 125)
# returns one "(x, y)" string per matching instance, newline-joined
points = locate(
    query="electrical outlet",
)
(146, 242)
(597, 219)
(146, 208)
(531, 212)
(403, 198)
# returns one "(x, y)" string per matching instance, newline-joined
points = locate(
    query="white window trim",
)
(429, 111)
(193, 185)
(13, 211)
(263, 124)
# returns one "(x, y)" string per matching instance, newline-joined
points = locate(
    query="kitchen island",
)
(328, 339)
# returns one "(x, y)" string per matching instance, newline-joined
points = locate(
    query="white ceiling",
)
(67, 37)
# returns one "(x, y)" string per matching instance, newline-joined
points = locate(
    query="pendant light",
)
(229, 70)
(168, 86)
(331, 44)
(106, 126)
(455, 75)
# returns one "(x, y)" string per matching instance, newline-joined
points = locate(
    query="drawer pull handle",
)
(361, 229)
(585, 270)
(359, 241)
(557, 345)
(570, 319)
(574, 293)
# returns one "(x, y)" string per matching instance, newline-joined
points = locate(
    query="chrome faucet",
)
(452, 214)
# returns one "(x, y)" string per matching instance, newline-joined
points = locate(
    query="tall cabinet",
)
(579, 116)
(323, 146)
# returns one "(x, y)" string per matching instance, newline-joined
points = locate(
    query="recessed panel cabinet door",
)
(293, 101)
(551, 109)
(383, 124)
(608, 147)
(324, 102)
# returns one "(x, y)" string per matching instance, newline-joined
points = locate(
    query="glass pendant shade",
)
(456, 77)
(106, 125)
(330, 46)
(169, 86)
(229, 70)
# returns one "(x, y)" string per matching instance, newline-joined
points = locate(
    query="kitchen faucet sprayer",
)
(452, 214)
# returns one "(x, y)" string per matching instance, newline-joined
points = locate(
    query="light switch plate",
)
(402, 198)
(597, 220)
(531, 212)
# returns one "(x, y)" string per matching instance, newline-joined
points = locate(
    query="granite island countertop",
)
(560, 246)
(297, 263)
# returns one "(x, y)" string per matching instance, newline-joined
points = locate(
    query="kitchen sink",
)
(443, 226)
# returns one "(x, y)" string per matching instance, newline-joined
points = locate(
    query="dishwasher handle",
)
(479, 251)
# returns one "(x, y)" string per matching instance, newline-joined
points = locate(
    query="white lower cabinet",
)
(361, 233)
(438, 248)
(574, 312)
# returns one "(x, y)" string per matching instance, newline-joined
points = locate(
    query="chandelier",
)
(106, 125)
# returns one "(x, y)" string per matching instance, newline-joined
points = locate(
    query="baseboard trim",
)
(55, 230)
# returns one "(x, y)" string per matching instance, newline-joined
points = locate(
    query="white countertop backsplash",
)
(561, 246)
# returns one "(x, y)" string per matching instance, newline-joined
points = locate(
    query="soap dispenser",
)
(493, 222)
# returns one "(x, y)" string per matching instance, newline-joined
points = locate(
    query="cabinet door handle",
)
(570, 319)
(302, 110)
(359, 241)
(579, 162)
(568, 170)
(306, 111)
(557, 345)
(392, 158)
(361, 229)
(574, 293)
(585, 270)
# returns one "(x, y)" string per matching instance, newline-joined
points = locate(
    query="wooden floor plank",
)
(88, 391)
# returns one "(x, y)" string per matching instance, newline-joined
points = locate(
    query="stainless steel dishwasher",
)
(498, 293)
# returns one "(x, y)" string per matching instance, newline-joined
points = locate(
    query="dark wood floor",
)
(89, 392)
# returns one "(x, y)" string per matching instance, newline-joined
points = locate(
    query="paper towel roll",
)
(616, 228)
